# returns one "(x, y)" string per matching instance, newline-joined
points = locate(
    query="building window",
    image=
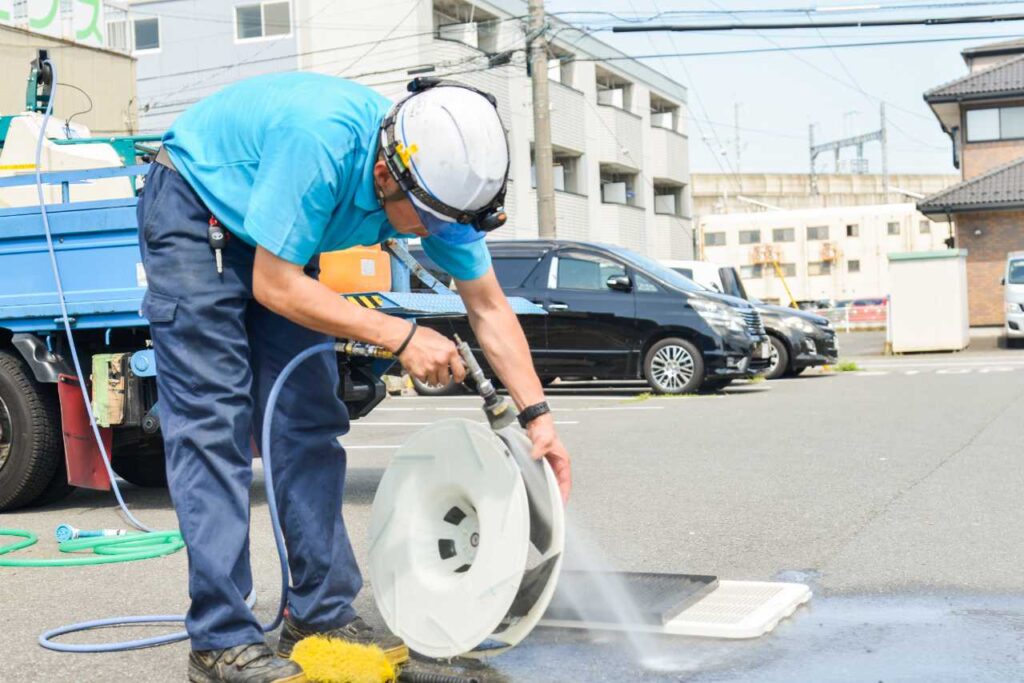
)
(664, 114)
(714, 239)
(997, 123)
(750, 236)
(465, 23)
(560, 65)
(613, 91)
(817, 232)
(754, 271)
(853, 230)
(925, 227)
(566, 171)
(263, 20)
(784, 235)
(853, 266)
(147, 34)
(668, 199)
(618, 187)
(819, 268)
(788, 269)
(892, 228)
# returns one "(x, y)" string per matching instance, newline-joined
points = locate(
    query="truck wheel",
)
(139, 460)
(31, 447)
(674, 366)
(779, 362)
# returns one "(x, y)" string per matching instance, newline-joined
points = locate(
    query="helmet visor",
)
(450, 232)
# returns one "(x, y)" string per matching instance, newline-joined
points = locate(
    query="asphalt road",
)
(895, 492)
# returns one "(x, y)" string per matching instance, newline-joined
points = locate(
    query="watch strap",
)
(531, 413)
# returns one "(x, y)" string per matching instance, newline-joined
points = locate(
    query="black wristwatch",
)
(531, 413)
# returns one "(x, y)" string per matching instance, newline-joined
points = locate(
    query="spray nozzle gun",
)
(495, 407)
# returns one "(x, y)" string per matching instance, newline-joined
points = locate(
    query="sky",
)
(780, 93)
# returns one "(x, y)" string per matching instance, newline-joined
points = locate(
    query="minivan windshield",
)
(1016, 272)
(658, 270)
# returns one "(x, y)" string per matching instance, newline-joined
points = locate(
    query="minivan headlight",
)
(798, 323)
(1014, 307)
(718, 315)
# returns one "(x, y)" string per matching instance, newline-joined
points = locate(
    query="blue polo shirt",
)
(285, 162)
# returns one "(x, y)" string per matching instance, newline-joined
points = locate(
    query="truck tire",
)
(779, 359)
(674, 366)
(31, 446)
(139, 459)
(57, 489)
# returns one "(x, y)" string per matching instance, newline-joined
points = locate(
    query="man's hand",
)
(546, 444)
(431, 357)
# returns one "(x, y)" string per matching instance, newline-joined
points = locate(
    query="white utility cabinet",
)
(928, 306)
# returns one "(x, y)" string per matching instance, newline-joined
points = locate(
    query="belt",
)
(164, 159)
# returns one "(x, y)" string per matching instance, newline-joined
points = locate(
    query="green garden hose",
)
(106, 550)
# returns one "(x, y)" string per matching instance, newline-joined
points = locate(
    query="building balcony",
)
(621, 137)
(669, 157)
(567, 112)
(571, 216)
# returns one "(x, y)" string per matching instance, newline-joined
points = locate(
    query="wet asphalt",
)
(895, 492)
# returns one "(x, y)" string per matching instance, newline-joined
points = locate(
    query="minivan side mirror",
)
(619, 283)
(1003, 282)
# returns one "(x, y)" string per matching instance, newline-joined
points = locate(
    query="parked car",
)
(1013, 297)
(800, 339)
(616, 315)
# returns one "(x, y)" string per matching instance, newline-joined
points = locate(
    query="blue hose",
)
(268, 481)
(45, 639)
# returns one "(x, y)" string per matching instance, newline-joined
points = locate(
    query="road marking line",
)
(869, 373)
(912, 372)
(954, 371)
(988, 370)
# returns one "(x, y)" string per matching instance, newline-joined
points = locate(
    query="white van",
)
(1013, 297)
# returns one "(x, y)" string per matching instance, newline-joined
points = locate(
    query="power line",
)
(773, 26)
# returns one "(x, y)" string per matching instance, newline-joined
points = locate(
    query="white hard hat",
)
(446, 146)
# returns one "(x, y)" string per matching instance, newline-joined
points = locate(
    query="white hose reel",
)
(466, 540)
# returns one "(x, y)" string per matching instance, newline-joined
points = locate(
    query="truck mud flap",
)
(81, 453)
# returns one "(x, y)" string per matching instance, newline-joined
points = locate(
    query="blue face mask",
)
(452, 233)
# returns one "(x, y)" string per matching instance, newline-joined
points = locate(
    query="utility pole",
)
(542, 153)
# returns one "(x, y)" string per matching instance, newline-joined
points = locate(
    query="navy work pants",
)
(218, 352)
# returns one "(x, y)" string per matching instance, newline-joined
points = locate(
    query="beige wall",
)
(1001, 233)
(108, 77)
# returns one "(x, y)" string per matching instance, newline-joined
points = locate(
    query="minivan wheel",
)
(778, 362)
(674, 366)
(448, 389)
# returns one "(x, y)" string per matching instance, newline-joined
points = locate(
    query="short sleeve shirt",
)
(285, 162)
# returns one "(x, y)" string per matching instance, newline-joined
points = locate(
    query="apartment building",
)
(823, 253)
(983, 114)
(618, 127)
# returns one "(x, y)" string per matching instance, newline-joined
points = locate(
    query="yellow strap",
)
(18, 167)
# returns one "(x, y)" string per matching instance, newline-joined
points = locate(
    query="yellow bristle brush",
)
(329, 660)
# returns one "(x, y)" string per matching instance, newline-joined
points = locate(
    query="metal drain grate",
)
(654, 598)
(733, 609)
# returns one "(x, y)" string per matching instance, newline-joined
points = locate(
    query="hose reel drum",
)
(466, 540)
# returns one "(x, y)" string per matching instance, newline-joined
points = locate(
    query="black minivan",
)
(614, 315)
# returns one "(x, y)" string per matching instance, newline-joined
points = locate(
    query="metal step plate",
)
(734, 609)
(655, 599)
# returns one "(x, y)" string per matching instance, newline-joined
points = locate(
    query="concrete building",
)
(983, 114)
(618, 126)
(108, 76)
(823, 253)
(741, 192)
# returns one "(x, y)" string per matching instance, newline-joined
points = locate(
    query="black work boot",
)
(355, 631)
(252, 663)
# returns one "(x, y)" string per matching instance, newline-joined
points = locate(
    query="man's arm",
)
(285, 289)
(501, 337)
